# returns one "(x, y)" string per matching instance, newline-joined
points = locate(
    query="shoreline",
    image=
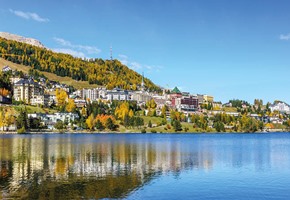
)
(116, 132)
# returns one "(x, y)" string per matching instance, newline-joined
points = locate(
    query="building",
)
(118, 94)
(280, 106)
(50, 120)
(185, 103)
(26, 89)
(92, 94)
(175, 93)
(40, 100)
(205, 99)
(140, 97)
(6, 69)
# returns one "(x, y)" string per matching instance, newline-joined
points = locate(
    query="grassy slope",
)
(34, 109)
(50, 76)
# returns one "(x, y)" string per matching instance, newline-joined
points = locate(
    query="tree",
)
(139, 122)
(122, 110)
(219, 126)
(61, 97)
(99, 125)
(71, 106)
(90, 121)
(59, 125)
(34, 123)
(22, 120)
(177, 125)
(150, 124)
(163, 111)
(126, 121)
(110, 124)
(83, 112)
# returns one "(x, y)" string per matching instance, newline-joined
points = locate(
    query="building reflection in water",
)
(111, 166)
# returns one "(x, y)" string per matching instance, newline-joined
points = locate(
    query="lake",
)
(145, 166)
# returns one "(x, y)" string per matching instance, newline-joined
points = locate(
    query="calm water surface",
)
(145, 166)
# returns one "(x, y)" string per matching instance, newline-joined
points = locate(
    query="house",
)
(26, 89)
(50, 120)
(141, 97)
(92, 94)
(6, 69)
(118, 94)
(40, 100)
(280, 106)
(175, 93)
(185, 103)
(205, 99)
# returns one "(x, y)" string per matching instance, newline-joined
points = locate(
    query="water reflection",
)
(112, 166)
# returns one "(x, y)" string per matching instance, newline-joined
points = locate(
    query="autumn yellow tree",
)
(90, 121)
(61, 97)
(122, 110)
(83, 112)
(1, 120)
(71, 106)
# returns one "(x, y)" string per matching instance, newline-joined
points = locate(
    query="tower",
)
(111, 53)
(142, 83)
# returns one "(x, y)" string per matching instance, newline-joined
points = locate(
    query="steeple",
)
(142, 83)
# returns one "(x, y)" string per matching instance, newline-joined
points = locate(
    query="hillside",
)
(72, 71)
(18, 38)
(50, 76)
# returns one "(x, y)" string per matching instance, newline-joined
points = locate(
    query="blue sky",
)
(228, 49)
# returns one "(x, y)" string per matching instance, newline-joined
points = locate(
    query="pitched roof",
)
(175, 91)
(26, 81)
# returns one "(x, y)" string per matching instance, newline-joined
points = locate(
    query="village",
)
(42, 93)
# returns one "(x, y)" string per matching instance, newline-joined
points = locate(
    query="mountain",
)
(18, 38)
(108, 73)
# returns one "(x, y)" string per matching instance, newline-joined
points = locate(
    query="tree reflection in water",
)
(77, 166)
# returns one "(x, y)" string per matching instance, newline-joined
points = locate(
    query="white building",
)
(280, 106)
(6, 69)
(92, 94)
(26, 89)
(118, 94)
(49, 120)
(141, 97)
(40, 100)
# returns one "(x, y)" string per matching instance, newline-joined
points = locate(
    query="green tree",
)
(150, 124)
(59, 125)
(99, 125)
(177, 125)
(22, 120)
(110, 124)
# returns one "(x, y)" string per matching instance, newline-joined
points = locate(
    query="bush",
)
(21, 130)
(153, 131)
(143, 130)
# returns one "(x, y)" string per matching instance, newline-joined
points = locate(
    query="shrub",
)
(21, 130)
(153, 131)
(143, 130)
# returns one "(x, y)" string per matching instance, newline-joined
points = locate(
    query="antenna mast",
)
(111, 53)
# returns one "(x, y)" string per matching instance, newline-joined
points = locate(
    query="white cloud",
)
(136, 65)
(285, 37)
(123, 56)
(71, 52)
(82, 49)
(29, 15)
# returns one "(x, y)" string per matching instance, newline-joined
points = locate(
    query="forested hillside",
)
(96, 71)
